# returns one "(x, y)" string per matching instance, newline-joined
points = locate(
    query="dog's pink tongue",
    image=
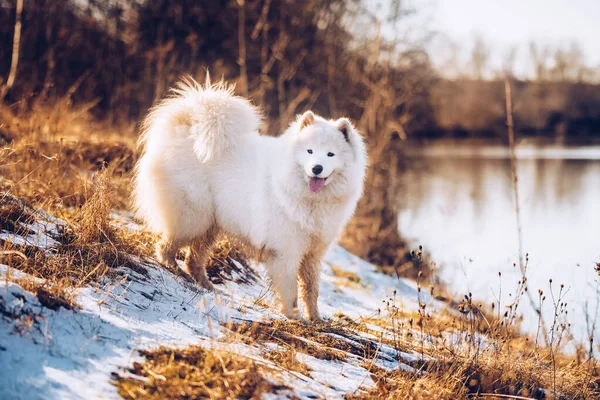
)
(316, 184)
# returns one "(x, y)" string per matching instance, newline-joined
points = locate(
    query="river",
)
(458, 202)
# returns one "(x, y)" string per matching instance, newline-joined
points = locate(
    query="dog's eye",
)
(309, 151)
(330, 154)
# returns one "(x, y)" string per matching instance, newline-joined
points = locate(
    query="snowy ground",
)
(71, 354)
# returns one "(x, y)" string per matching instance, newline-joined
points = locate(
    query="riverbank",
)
(86, 310)
(140, 331)
(462, 210)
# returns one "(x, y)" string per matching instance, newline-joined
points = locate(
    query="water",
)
(459, 205)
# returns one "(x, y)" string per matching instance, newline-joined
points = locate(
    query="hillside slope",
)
(48, 351)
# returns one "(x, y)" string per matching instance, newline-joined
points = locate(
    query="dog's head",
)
(330, 153)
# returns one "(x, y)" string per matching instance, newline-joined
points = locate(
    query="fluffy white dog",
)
(206, 170)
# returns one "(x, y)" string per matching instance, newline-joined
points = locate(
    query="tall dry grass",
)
(478, 352)
(195, 373)
(54, 157)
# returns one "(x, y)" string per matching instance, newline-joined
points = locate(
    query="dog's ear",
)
(306, 119)
(345, 126)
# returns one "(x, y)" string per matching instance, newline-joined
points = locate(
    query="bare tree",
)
(575, 62)
(508, 62)
(479, 58)
(15, 51)
(561, 65)
(539, 57)
(568, 63)
(242, 46)
(387, 108)
(451, 64)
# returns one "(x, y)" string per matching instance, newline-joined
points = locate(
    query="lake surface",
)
(458, 203)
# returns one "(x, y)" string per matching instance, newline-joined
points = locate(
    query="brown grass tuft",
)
(312, 338)
(221, 265)
(52, 148)
(93, 224)
(89, 247)
(475, 354)
(505, 375)
(50, 296)
(340, 273)
(287, 360)
(194, 373)
(14, 217)
(407, 385)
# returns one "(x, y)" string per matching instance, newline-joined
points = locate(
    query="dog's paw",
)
(206, 284)
(291, 314)
(189, 278)
(314, 318)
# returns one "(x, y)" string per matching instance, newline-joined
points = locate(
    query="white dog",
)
(206, 170)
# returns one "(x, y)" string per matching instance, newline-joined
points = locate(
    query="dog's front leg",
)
(283, 273)
(309, 274)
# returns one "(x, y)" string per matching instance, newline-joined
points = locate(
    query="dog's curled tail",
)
(209, 113)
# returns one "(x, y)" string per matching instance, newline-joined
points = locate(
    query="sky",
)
(507, 23)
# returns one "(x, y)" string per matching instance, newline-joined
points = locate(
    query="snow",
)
(71, 354)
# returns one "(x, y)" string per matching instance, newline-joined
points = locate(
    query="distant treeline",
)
(288, 56)
(118, 57)
(466, 108)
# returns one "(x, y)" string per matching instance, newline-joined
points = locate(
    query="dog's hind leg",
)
(197, 255)
(166, 250)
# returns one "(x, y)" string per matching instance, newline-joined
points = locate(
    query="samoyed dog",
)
(205, 170)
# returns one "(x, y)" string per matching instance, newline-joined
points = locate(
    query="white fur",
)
(205, 165)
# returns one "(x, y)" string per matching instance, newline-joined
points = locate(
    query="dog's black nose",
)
(317, 169)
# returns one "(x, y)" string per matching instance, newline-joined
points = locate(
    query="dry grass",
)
(472, 354)
(15, 217)
(340, 273)
(89, 247)
(53, 173)
(504, 368)
(407, 385)
(221, 265)
(503, 373)
(287, 360)
(291, 334)
(87, 251)
(59, 160)
(49, 149)
(194, 373)
(49, 296)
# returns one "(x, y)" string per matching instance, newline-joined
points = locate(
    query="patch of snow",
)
(336, 377)
(70, 354)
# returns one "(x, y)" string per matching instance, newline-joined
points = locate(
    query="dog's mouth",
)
(316, 184)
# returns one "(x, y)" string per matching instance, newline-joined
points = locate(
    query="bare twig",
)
(295, 102)
(503, 396)
(15, 50)
(262, 20)
(242, 46)
(515, 180)
(15, 252)
(513, 165)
